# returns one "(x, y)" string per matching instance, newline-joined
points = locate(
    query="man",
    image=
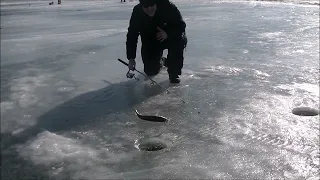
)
(160, 25)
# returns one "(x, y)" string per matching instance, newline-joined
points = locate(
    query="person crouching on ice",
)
(160, 26)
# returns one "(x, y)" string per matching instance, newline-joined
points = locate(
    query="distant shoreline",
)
(293, 2)
(26, 2)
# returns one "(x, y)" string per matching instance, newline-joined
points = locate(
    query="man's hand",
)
(132, 64)
(161, 35)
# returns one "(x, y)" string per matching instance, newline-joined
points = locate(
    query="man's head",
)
(149, 6)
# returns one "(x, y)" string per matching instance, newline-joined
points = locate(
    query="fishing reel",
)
(131, 75)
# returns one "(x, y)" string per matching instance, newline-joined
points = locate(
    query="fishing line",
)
(131, 75)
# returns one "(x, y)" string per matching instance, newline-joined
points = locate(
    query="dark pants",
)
(152, 52)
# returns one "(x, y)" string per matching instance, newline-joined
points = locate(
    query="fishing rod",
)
(153, 81)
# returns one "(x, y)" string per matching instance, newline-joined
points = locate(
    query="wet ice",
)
(67, 107)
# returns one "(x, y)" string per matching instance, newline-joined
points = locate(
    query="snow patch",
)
(260, 74)
(24, 90)
(311, 88)
(61, 154)
(224, 70)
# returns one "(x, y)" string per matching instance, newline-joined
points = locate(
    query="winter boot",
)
(174, 78)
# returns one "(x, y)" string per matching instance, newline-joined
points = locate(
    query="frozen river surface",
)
(67, 109)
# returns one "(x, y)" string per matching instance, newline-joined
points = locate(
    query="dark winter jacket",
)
(167, 17)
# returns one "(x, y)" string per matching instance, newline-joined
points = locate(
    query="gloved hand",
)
(161, 35)
(132, 64)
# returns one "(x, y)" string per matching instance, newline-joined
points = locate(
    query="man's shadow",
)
(87, 108)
